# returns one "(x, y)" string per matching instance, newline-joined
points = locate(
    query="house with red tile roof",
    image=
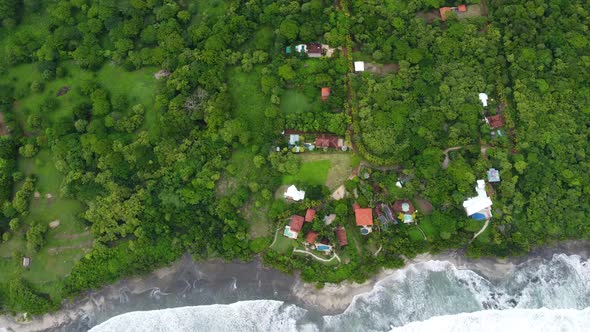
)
(292, 230)
(309, 215)
(328, 141)
(364, 219)
(341, 236)
(495, 121)
(311, 237)
(445, 11)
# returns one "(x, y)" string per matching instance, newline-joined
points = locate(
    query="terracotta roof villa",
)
(341, 236)
(309, 215)
(364, 219)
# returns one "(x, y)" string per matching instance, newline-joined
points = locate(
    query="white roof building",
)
(359, 66)
(301, 48)
(484, 99)
(293, 139)
(479, 203)
(294, 194)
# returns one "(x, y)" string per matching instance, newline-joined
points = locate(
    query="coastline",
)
(185, 275)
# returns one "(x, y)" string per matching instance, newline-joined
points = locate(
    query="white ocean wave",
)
(518, 320)
(260, 315)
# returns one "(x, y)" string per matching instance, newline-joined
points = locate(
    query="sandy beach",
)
(176, 281)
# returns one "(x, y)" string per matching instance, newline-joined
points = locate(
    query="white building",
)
(293, 139)
(359, 66)
(484, 99)
(294, 194)
(479, 207)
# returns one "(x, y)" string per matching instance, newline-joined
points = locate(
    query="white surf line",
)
(316, 257)
(481, 230)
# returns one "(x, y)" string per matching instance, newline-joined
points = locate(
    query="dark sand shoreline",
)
(223, 277)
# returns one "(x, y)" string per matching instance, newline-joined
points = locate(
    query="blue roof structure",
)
(493, 175)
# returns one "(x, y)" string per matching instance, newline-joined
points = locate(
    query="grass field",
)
(283, 244)
(330, 169)
(415, 234)
(294, 102)
(311, 173)
(429, 229)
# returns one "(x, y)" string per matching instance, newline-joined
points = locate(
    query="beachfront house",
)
(480, 206)
(364, 219)
(292, 230)
(293, 194)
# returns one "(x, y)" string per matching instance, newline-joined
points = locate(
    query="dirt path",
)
(481, 230)
(72, 236)
(484, 151)
(318, 258)
(421, 231)
(447, 160)
(57, 250)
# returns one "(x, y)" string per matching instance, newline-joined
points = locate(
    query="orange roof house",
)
(309, 215)
(364, 216)
(327, 141)
(341, 236)
(444, 11)
(495, 121)
(462, 8)
(311, 236)
(325, 93)
(296, 223)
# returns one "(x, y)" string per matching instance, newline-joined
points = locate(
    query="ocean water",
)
(537, 295)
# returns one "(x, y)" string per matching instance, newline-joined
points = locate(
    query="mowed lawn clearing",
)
(329, 169)
(294, 102)
(310, 173)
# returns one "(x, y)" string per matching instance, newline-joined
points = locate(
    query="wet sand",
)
(223, 281)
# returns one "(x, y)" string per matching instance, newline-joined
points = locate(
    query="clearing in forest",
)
(294, 102)
(329, 169)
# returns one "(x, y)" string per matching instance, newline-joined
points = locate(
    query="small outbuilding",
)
(493, 175)
(359, 66)
(341, 236)
(484, 99)
(311, 237)
(309, 215)
(314, 50)
(26, 261)
(495, 121)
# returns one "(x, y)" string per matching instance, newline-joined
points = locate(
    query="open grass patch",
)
(294, 102)
(473, 225)
(310, 173)
(429, 229)
(415, 234)
(283, 245)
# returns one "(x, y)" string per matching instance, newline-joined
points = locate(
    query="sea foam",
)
(263, 315)
(521, 320)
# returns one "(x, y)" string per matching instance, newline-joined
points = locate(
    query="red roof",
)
(314, 48)
(364, 217)
(496, 121)
(325, 93)
(462, 8)
(326, 141)
(443, 12)
(309, 215)
(356, 206)
(311, 236)
(341, 236)
(296, 223)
